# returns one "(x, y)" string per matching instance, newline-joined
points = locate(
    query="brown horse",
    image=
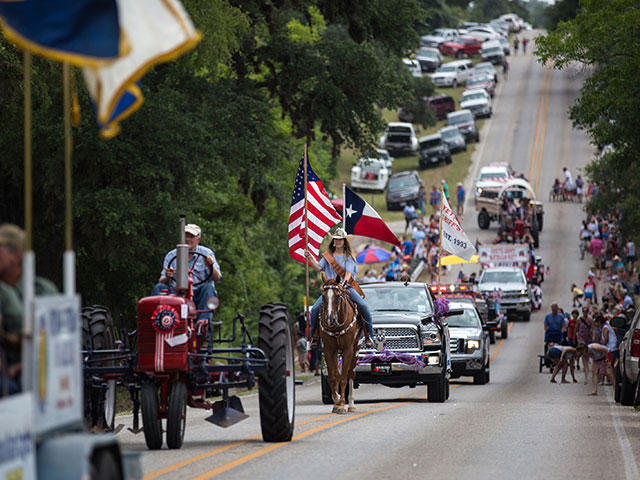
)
(340, 333)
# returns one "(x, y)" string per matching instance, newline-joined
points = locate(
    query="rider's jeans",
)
(200, 296)
(357, 299)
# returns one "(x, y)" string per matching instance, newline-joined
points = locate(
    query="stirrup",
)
(368, 342)
(315, 343)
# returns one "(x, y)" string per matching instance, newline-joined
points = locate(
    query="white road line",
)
(630, 466)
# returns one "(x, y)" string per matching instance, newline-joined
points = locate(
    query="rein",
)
(342, 300)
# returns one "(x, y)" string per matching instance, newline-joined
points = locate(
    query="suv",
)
(454, 139)
(486, 68)
(429, 59)
(405, 324)
(516, 295)
(466, 123)
(400, 137)
(627, 372)
(469, 344)
(441, 105)
(478, 101)
(453, 74)
(460, 46)
(403, 187)
(433, 149)
(492, 51)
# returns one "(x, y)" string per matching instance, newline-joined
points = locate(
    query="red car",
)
(458, 47)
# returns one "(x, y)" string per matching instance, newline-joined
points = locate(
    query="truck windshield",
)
(467, 319)
(398, 298)
(503, 277)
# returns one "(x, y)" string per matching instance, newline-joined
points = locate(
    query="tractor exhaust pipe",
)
(182, 260)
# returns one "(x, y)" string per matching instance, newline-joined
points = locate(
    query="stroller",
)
(552, 336)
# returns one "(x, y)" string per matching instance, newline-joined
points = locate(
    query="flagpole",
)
(440, 240)
(306, 236)
(344, 208)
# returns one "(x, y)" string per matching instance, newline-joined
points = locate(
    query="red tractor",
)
(174, 360)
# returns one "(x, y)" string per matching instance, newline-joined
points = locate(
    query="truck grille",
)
(456, 345)
(399, 338)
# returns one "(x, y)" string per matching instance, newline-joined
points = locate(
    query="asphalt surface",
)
(517, 426)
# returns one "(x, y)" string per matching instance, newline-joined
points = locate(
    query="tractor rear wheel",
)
(177, 415)
(100, 403)
(150, 420)
(276, 384)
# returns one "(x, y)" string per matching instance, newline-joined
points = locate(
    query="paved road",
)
(519, 425)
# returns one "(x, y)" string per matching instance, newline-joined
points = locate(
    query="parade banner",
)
(17, 443)
(454, 240)
(502, 255)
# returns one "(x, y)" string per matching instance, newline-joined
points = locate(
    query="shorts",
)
(613, 356)
(588, 295)
(630, 258)
(554, 353)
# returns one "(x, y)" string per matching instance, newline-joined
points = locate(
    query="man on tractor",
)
(12, 242)
(203, 267)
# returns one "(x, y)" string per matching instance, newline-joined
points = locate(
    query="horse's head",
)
(332, 298)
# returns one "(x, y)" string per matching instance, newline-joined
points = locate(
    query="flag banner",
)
(81, 32)
(157, 31)
(362, 219)
(321, 215)
(454, 240)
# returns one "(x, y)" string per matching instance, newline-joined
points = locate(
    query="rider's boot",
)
(315, 340)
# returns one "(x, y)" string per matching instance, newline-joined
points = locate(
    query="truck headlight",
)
(431, 338)
(473, 345)
(523, 291)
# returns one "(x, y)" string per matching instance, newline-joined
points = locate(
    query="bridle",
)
(337, 330)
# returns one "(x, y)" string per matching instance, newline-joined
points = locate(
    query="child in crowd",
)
(577, 295)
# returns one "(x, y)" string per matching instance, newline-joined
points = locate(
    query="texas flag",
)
(361, 219)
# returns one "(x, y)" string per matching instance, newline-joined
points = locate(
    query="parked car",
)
(513, 20)
(437, 37)
(469, 343)
(466, 123)
(492, 52)
(627, 371)
(403, 187)
(486, 68)
(483, 33)
(369, 174)
(500, 26)
(429, 59)
(460, 46)
(384, 155)
(433, 150)
(441, 105)
(478, 101)
(516, 295)
(454, 139)
(413, 66)
(453, 74)
(483, 81)
(400, 138)
(404, 323)
(506, 48)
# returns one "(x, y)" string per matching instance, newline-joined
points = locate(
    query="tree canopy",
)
(604, 39)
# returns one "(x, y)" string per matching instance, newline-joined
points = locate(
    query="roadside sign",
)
(17, 443)
(57, 367)
(503, 255)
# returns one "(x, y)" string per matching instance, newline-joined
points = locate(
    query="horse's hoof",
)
(335, 410)
(351, 409)
(341, 411)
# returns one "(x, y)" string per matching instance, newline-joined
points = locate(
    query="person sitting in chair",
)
(339, 257)
(200, 265)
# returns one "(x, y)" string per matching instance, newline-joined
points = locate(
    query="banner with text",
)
(502, 255)
(454, 240)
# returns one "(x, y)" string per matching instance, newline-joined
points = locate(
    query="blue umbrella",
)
(373, 255)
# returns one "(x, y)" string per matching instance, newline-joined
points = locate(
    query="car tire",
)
(478, 138)
(480, 378)
(492, 337)
(437, 391)
(504, 331)
(448, 160)
(484, 221)
(627, 391)
(540, 217)
(459, 54)
(526, 316)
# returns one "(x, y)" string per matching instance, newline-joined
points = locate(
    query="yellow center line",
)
(544, 128)
(538, 123)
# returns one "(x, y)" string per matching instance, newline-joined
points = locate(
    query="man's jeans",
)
(200, 296)
(357, 299)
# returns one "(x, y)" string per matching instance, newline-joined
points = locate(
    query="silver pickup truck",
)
(412, 346)
(516, 295)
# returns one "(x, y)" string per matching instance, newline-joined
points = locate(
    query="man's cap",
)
(12, 236)
(193, 229)
(459, 184)
(443, 182)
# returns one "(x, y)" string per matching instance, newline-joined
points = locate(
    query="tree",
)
(561, 11)
(604, 39)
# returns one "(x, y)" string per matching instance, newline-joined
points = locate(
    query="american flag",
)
(320, 213)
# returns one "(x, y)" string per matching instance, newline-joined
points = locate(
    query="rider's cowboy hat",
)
(341, 233)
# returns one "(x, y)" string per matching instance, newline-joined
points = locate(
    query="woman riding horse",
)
(340, 252)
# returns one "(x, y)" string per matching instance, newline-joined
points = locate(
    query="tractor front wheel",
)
(276, 384)
(177, 415)
(150, 420)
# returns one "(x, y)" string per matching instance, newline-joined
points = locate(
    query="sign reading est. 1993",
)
(56, 362)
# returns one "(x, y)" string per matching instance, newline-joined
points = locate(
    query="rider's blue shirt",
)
(200, 271)
(349, 264)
